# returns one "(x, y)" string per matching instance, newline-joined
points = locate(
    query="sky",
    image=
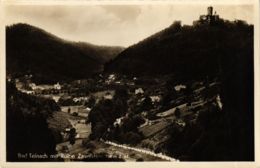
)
(115, 25)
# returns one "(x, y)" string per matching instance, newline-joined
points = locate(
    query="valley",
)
(154, 112)
(185, 93)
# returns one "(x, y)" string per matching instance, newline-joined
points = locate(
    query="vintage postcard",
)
(94, 83)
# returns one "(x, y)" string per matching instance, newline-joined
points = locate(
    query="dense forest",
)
(220, 134)
(27, 128)
(30, 50)
(187, 51)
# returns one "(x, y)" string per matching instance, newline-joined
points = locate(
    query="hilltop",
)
(187, 51)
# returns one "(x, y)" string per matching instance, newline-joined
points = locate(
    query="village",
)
(147, 96)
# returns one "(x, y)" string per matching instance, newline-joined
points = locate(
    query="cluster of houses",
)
(32, 88)
(80, 99)
(117, 80)
(56, 86)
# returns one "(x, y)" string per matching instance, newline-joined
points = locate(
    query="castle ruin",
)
(210, 18)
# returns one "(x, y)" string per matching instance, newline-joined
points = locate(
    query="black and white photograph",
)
(133, 82)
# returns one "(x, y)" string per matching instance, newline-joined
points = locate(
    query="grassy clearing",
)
(150, 130)
(59, 121)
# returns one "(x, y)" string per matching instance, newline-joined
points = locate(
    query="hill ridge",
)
(30, 49)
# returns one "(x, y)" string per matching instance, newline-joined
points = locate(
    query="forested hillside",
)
(27, 128)
(30, 50)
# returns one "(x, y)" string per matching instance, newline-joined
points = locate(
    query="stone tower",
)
(210, 11)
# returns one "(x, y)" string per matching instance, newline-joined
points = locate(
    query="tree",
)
(102, 116)
(176, 25)
(140, 160)
(188, 94)
(166, 99)
(147, 104)
(131, 123)
(132, 138)
(121, 93)
(72, 135)
(177, 113)
(91, 102)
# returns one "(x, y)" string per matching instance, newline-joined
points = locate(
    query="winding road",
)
(144, 151)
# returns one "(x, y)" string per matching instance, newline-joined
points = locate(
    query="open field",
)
(81, 110)
(150, 130)
(59, 121)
